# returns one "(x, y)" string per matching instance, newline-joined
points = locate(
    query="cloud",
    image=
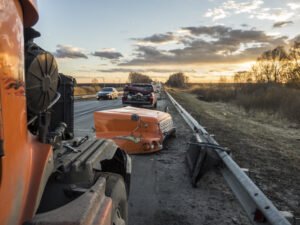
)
(243, 7)
(254, 9)
(216, 13)
(232, 7)
(282, 24)
(296, 39)
(273, 14)
(66, 51)
(108, 54)
(294, 5)
(209, 44)
(157, 39)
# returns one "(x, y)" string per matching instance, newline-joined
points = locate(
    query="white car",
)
(107, 93)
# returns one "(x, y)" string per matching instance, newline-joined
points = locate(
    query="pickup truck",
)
(139, 94)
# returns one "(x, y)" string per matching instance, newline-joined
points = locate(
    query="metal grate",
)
(166, 125)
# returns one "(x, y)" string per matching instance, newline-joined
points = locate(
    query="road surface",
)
(161, 192)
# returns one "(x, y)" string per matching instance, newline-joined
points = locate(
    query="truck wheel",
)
(115, 189)
(155, 105)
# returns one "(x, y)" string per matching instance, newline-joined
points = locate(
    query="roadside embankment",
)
(267, 145)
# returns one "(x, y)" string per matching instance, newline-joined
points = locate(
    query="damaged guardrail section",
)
(204, 154)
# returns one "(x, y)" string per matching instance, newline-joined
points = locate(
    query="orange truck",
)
(136, 130)
(46, 177)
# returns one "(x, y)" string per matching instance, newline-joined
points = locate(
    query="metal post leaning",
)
(259, 209)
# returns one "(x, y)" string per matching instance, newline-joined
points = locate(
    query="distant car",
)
(139, 95)
(107, 93)
(135, 130)
(158, 86)
(157, 89)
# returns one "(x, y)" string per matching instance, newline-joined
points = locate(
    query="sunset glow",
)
(203, 39)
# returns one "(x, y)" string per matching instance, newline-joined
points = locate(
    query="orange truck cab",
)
(136, 130)
(45, 178)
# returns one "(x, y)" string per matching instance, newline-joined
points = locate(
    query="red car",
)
(139, 95)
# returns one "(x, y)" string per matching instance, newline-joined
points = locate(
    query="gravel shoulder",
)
(269, 147)
(161, 191)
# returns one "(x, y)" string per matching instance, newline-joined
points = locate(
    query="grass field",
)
(269, 98)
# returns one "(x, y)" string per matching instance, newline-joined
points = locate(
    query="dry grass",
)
(90, 90)
(271, 98)
(214, 92)
(86, 90)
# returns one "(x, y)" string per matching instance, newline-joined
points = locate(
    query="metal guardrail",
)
(259, 209)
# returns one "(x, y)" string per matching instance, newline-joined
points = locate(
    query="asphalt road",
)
(83, 112)
(161, 192)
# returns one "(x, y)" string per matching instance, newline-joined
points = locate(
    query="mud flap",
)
(201, 158)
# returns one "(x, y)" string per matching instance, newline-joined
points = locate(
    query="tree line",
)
(274, 66)
(174, 80)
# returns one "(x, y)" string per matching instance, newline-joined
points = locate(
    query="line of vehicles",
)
(136, 127)
(134, 94)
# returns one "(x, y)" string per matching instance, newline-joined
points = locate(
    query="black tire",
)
(173, 134)
(155, 105)
(116, 190)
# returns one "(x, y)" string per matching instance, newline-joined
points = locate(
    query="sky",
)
(205, 39)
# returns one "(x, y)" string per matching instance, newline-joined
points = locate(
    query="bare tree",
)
(135, 77)
(272, 65)
(177, 80)
(95, 81)
(243, 77)
(293, 75)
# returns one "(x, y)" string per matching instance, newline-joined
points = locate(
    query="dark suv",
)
(139, 94)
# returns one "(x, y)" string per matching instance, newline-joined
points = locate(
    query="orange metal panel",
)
(24, 160)
(142, 136)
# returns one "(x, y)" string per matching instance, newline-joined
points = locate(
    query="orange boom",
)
(135, 130)
(46, 177)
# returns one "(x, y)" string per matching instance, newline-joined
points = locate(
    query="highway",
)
(161, 192)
